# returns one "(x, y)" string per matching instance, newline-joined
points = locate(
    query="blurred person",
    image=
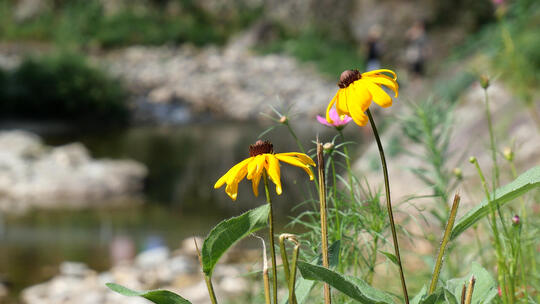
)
(417, 48)
(374, 48)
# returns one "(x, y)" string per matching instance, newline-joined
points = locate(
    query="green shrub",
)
(63, 87)
(331, 56)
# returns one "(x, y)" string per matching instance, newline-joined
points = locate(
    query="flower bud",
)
(484, 81)
(508, 153)
(458, 173)
(472, 159)
(515, 220)
(328, 146)
(283, 119)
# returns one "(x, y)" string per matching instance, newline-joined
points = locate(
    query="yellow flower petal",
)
(380, 72)
(295, 162)
(357, 108)
(231, 173)
(252, 166)
(386, 81)
(341, 102)
(379, 95)
(330, 105)
(272, 167)
(232, 184)
(256, 176)
(303, 157)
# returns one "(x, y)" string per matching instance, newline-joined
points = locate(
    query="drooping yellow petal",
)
(272, 167)
(232, 184)
(256, 176)
(380, 72)
(358, 107)
(232, 190)
(341, 102)
(303, 157)
(252, 166)
(330, 105)
(386, 81)
(379, 95)
(295, 162)
(231, 174)
(362, 95)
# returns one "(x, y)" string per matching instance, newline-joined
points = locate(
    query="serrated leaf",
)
(228, 232)
(156, 296)
(485, 288)
(353, 287)
(303, 287)
(390, 256)
(521, 185)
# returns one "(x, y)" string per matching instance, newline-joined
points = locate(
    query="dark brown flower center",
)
(261, 147)
(348, 77)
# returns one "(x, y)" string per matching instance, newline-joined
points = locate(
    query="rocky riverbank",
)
(34, 175)
(159, 267)
(228, 83)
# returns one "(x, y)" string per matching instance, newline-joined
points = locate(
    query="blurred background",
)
(118, 116)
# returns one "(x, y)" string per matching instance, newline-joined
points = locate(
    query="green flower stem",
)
(495, 231)
(446, 238)
(324, 224)
(348, 162)
(496, 172)
(492, 142)
(389, 205)
(335, 200)
(271, 236)
(290, 273)
(300, 146)
(207, 278)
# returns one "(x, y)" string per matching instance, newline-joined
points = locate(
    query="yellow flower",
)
(356, 91)
(262, 158)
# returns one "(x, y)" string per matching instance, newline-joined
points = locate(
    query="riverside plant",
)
(348, 210)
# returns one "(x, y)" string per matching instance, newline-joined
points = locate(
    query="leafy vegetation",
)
(84, 24)
(62, 87)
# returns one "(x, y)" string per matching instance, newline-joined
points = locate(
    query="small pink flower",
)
(497, 2)
(337, 121)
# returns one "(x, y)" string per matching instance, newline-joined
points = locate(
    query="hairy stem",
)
(271, 236)
(389, 205)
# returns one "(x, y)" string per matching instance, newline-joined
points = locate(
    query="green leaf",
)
(525, 182)
(355, 288)
(485, 288)
(303, 287)
(419, 296)
(156, 296)
(228, 232)
(390, 256)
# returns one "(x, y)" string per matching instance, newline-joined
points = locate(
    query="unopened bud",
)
(484, 81)
(458, 173)
(515, 220)
(508, 153)
(472, 159)
(328, 146)
(283, 119)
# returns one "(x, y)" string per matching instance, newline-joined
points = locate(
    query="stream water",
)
(178, 200)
